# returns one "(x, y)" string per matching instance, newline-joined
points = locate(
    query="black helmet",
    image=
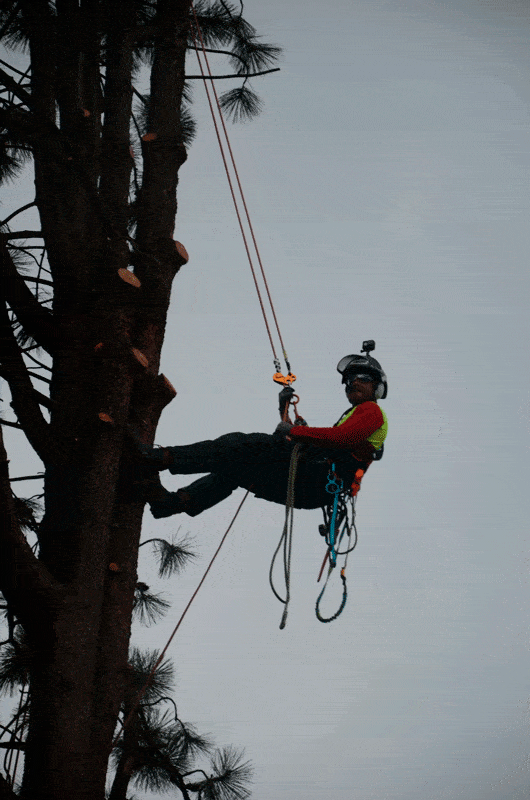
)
(350, 365)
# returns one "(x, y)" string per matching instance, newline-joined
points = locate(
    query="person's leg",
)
(193, 499)
(267, 484)
(233, 453)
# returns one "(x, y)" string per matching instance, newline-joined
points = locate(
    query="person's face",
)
(359, 389)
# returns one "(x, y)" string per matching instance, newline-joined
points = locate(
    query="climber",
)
(260, 461)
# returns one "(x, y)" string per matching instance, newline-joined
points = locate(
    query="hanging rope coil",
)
(344, 597)
(287, 537)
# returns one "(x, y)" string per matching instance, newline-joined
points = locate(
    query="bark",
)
(116, 160)
(93, 509)
(6, 792)
(157, 260)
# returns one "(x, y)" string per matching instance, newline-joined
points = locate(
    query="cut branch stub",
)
(183, 253)
(139, 357)
(129, 277)
(116, 348)
(169, 389)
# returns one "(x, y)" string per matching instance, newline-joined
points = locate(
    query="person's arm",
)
(364, 421)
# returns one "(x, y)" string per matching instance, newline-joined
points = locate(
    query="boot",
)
(168, 504)
(163, 503)
(156, 458)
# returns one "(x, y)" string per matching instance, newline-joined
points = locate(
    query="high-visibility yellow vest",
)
(377, 438)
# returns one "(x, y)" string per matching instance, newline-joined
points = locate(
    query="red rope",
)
(177, 626)
(236, 173)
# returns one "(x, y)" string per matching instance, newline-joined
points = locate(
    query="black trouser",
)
(255, 461)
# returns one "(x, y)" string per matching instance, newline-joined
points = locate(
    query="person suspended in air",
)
(260, 461)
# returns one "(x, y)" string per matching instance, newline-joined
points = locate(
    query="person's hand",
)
(283, 428)
(284, 399)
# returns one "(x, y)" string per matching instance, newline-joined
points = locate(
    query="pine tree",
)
(153, 749)
(83, 307)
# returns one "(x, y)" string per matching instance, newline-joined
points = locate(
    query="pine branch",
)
(27, 477)
(12, 68)
(18, 211)
(11, 16)
(28, 587)
(240, 104)
(15, 88)
(35, 320)
(22, 234)
(231, 75)
(24, 398)
(148, 607)
(172, 556)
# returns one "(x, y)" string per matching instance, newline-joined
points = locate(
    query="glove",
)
(282, 429)
(284, 398)
(300, 421)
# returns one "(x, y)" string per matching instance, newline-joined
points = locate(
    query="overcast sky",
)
(388, 181)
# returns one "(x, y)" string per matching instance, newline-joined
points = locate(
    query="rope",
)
(332, 555)
(177, 626)
(344, 596)
(230, 183)
(287, 537)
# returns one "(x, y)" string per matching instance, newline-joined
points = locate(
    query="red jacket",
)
(352, 435)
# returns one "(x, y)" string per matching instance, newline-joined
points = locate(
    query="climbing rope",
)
(278, 377)
(287, 537)
(206, 73)
(343, 601)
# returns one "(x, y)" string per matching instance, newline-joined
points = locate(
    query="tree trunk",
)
(91, 529)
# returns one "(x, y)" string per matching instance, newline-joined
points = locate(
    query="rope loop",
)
(344, 597)
(337, 527)
(286, 539)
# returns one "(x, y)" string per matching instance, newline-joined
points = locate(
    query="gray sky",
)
(388, 182)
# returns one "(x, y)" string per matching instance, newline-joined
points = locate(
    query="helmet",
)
(350, 365)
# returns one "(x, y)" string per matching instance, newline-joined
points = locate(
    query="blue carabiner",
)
(333, 486)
